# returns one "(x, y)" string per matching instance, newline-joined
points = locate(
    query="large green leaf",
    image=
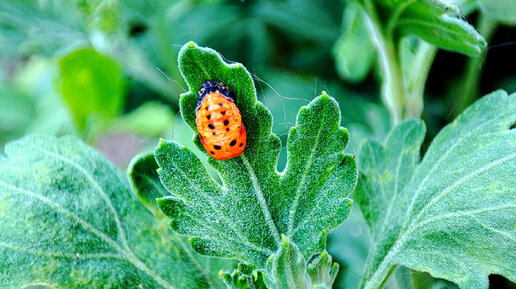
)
(68, 219)
(453, 214)
(245, 216)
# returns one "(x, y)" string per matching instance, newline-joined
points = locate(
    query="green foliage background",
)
(107, 71)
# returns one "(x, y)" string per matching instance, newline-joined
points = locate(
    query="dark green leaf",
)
(444, 215)
(246, 215)
(68, 219)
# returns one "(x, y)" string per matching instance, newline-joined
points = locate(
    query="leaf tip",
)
(284, 241)
(190, 45)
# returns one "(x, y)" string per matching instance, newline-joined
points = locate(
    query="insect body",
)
(219, 122)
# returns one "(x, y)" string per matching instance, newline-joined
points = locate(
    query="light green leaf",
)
(245, 216)
(287, 268)
(353, 52)
(92, 85)
(68, 219)
(501, 10)
(444, 215)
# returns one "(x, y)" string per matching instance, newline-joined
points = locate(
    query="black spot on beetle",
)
(212, 153)
(213, 133)
(217, 147)
(223, 112)
(241, 144)
(221, 104)
(227, 128)
(232, 143)
(211, 126)
(226, 122)
(208, 116)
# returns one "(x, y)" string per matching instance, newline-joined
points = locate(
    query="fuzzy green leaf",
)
(68, 219)
(453, 214)
(245, 216)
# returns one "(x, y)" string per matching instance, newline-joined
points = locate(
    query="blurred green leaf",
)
(353, 52)
(259, 204)
(92, 86)
(442, 215)
(149, 119)
(500, 10)
(69, 219)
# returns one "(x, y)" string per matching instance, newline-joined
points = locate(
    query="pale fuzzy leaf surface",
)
(146, 185)
(245, 216)
(453, 214)
(287, 268)
(68, 219)
(500, 10)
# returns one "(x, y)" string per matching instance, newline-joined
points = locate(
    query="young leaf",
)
(245, 216)
(68, 219)
(444, 215)
(322, 271)
(287, 268)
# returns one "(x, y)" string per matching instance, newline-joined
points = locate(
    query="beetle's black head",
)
(213, 86)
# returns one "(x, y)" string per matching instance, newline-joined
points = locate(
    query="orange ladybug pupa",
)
(219, 122)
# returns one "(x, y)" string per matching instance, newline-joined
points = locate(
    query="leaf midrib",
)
(403, 237)
(293, 209)
(243, 239)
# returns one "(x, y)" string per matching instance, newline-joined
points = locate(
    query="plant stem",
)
(380, 277)
(416, 79)
(469, 91)
(393, 91)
